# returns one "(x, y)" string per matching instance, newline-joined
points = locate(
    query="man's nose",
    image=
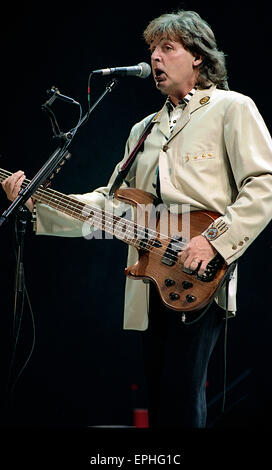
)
(155, 54)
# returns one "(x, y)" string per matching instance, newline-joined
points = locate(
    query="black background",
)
(83, 364)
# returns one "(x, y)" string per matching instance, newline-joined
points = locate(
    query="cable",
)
(89, 92)
(17, 329)
(225, 344)
(32, 345)
(74, 129)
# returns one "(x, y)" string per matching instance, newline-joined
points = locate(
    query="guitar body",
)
(179, 290)
(158, 236)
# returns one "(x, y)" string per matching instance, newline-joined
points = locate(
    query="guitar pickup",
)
(169, 260)
(170, 255)
(146, 243)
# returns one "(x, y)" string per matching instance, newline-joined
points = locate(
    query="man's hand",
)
(12, 186)
(198, 253)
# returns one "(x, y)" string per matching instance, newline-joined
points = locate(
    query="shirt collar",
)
(183, 102)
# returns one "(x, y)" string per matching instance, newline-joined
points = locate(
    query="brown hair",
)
(197, 37)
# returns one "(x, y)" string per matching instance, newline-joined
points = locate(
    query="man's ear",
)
(197, 60)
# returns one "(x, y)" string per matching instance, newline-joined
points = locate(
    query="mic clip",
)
(57, 134)
(111, 85)
(65, 136)
(55, 93)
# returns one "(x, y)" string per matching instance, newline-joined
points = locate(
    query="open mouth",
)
(159, 75)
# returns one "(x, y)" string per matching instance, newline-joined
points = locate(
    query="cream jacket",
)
(218, 158)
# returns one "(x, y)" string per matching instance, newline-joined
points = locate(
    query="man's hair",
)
(196, 36)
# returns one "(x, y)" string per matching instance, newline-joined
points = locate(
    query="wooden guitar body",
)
(158, 235)
(179, 290)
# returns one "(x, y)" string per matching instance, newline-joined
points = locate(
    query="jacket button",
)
(165, 147)
(234, 247)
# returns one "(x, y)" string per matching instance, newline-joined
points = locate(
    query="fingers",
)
(195, 264)
(197, 255)
(191, 262)
(12, 184)
(202, 268)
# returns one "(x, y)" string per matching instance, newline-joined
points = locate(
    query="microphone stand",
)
(54, 160)
(22, 214)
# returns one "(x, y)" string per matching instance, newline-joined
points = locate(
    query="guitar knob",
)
(174, 296)
(190, 298)
(187, 285)
(169, 282)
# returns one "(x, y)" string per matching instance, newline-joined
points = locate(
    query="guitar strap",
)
(132, 156)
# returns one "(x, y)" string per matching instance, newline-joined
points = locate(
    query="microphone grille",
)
(146, 70)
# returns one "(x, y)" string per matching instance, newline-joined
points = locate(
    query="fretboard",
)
(123, 229)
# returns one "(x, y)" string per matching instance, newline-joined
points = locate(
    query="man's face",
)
(174, 68)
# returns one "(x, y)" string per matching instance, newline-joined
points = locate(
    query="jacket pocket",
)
(190, 158)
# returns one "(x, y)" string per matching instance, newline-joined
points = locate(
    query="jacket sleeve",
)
(249, 148)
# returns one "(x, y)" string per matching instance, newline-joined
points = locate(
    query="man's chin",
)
(161, 87)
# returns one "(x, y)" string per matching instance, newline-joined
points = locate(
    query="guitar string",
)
(134, 242)
(111, 221)
(169, 253)
(156, 252)
(129, 237)
(98, 223)
(108, 220)
(76, 205)
(130, 240)
(120, 235)
(40, 192)
(61, 201)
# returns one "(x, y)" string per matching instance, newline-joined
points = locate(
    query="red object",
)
(140, 418)
(134, 387)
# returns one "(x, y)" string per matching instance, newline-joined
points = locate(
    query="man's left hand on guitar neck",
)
(12, 186)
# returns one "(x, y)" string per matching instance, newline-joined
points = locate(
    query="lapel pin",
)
(204, 100)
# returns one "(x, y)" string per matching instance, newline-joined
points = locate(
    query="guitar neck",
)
(122, 229)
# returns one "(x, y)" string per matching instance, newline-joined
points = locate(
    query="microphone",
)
(141, 70)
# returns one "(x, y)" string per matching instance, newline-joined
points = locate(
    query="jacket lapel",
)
(163, 122)
(199, 99)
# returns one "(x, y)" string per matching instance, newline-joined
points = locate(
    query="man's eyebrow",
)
(161, 39)
(157, 40)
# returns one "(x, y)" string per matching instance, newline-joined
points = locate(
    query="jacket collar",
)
(201, 98)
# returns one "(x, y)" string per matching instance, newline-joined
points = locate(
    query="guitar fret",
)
(125, 230)
(100, 219)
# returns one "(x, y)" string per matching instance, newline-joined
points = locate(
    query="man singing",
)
(209, 148)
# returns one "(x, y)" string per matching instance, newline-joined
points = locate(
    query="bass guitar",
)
(180, 289)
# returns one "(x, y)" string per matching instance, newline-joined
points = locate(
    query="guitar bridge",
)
(212, 268)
